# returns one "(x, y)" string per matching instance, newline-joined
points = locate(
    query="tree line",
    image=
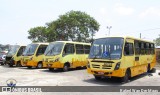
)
(72, 26)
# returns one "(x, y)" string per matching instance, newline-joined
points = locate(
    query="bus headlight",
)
(117, 66)
(31, 58)
(56, 60)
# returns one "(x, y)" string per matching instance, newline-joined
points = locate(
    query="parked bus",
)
(13, 51)
(33, 55)
(66, 54)
(16, 59)
(122, 57)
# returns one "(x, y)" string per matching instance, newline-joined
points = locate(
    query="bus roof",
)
(18, 45)
(73, 42)
(39, 43)
(127, 37)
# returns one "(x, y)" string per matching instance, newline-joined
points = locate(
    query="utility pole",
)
(140, 35)
(109, 27)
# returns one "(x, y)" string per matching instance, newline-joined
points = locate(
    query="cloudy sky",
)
(127, 17)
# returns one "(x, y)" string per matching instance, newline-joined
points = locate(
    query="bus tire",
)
(29, 67)
(153, 70)
(39, 65)
(2, 63)
(18, 64)
(97, 77)
(51, 69)
(125, 79)
(148, 68)
(10, 65)
(66, 67)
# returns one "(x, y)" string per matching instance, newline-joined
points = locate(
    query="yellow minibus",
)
(14, 55)
(16, 59)
(66, 54)
(33, 55)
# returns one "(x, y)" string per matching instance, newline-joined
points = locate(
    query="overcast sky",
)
(127, 17)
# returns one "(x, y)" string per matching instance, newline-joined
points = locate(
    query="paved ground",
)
(76, 77)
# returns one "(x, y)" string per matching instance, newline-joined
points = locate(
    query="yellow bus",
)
(66, 54)
(14, 55)
(122, 57)
(16, 58)
(33, 55)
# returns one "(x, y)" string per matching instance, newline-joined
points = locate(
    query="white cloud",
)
(151, 11)
(123, 10)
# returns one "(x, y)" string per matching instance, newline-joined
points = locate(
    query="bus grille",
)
(106, 67)
(95, 66)
(99, 66)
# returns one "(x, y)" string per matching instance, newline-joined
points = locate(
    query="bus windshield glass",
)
(13, 50)
(30, 49)
(107, 48)
(54, 48)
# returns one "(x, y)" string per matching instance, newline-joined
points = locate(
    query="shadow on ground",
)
(113, 81)
(61, 70)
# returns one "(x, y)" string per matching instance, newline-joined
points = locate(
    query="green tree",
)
(38, 34)
(75, 26)
(157, 41)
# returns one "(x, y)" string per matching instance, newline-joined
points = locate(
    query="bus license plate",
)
(101, 73)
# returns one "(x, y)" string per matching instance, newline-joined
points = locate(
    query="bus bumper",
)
(32, 63)
(54, 65)
(115, 73)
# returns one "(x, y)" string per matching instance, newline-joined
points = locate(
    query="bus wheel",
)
(126, 77)
(10, 65)
(19, 64)
(29, 67)
(97, 77)
(2, 63)
(39, 65)
(66, 67)
(153, 70)
(148, 68)
(51, 69)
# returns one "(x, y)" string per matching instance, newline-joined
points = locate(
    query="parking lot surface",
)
(74, 77)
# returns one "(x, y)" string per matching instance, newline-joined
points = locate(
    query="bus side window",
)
(69, 49)
(41, 49)
(128, 49)
(86, 49)
(79, 49)
(20, 52)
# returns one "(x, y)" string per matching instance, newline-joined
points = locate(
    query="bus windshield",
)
(54, 48)
(13, 50)
(107, 48)
(30, 49)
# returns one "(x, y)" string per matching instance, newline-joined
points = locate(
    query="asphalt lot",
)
(74, 77)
